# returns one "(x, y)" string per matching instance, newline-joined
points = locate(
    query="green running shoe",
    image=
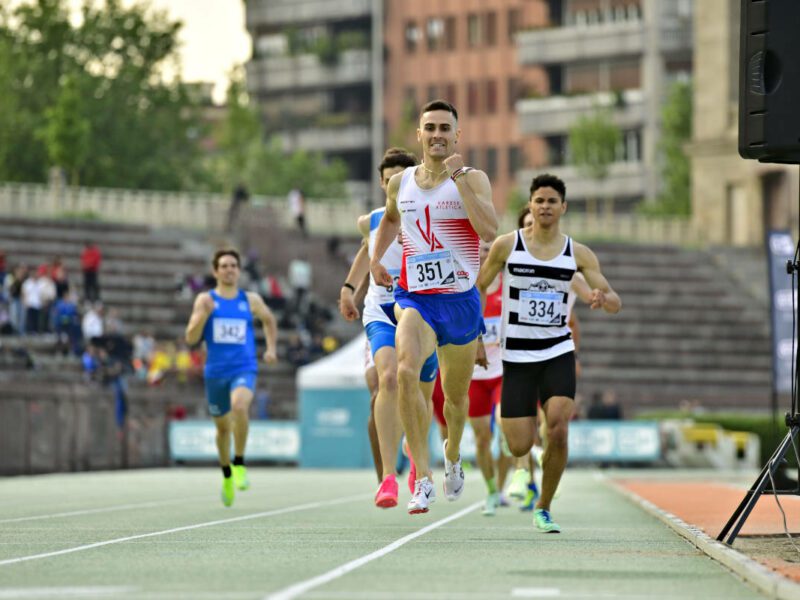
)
(240, 479)
(519, 484)
(492, 502)
(543, 522)
(530, 499)
(227, 491)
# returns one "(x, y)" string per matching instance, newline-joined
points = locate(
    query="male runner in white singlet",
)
(445, 209)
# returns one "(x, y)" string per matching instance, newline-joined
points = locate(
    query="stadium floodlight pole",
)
(768, 472)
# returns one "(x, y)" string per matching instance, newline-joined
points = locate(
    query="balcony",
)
(576, 43)
(556, 114)
(328, 139)
(296, 12)
(605, 40)
(281, 73)
(625, 180)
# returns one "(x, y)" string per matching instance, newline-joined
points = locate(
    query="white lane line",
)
(269, 513)
(64, 592)
(297, 589)
(91, 511)
(535, 593)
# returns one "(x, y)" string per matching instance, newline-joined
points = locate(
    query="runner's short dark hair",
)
(397, 157)
(522, 214)
(439, 105)
(548, 180)
(225, 252)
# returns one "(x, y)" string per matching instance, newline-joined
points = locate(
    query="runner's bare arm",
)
(387, 231)
(498, 255)
(602, 294)
(348, 306)
(202, 309)
(580, 288)
(269, 325)
(476, 193)
(361, 291)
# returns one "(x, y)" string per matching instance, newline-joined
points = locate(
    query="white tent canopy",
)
(344, 369)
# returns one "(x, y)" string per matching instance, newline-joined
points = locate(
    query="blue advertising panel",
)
(783, 299)
(333, 427)
(614, 441)
(267, 440)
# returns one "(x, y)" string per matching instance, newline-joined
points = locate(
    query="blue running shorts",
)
(219, 389)
(381, 334)
(455, 318)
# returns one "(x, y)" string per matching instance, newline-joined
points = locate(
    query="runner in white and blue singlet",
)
(380, 325)
(445, 209)
(223, 319)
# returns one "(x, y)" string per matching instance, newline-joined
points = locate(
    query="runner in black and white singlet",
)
(445, 209)
(538, 351)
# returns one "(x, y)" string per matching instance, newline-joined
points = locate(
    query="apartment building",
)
(314, 72)
(464, 51)
(617, 55)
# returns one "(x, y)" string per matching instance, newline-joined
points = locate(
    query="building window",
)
(513, 93)
(630, 148)
(474, 34)
(633, 12)
(514, 160)
(410, 100)
(491, 96)
(450, 94)
(473, 98)
(491, 162)
(514, 19)
(491, 28)
(433, 93)
(473, 159)
(435, 34)
(412, 36)
(450, 33)
(556, 150)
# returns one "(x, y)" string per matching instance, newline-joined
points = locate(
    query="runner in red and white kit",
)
(484, 391)
(445, 210)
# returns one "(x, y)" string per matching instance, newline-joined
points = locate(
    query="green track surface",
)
(609, 548)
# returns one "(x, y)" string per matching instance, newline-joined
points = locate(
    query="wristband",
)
(459, 172)
(349, 286)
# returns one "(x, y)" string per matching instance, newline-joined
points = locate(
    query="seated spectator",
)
(90, 363)
(162, 363)
(144, 344)
(297, 352)
(184, 364)
(67, 325)
(3, 270)
(58, 273)
(113, 322)
(272, 293)
(92, 323)
(5, 318)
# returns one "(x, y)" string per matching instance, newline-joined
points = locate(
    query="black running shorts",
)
(524, 384)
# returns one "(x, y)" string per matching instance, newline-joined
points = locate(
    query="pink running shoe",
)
(387, 493)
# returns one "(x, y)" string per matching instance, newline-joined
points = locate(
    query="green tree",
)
(676, 132)
(66, 131)
(262, 166)
(144, 129)
(593, 142)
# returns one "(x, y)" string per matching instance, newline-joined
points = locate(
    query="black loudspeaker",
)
(769, 81)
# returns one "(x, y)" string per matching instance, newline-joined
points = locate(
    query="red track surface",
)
(710, 505)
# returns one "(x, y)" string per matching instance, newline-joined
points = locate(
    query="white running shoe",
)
(424, 495)
(453, 476)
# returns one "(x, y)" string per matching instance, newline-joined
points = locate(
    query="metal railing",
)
(207, 211)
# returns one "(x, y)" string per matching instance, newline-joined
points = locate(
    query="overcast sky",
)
(213, 37)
